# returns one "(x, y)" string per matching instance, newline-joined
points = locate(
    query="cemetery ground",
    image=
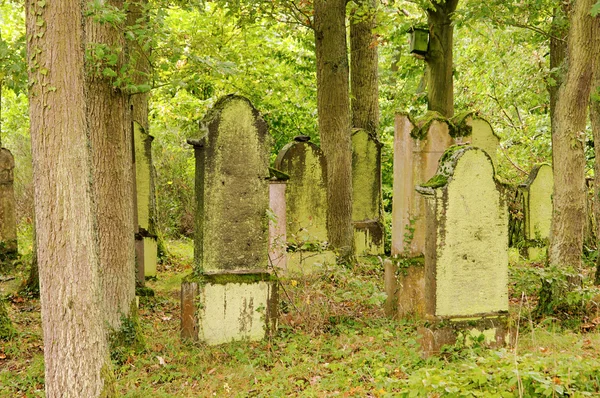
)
(333, 340)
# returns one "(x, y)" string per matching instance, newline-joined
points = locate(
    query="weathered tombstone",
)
(306, 204)
(8, 213)
(231, 295)
(277, 220)
(537, 208)
(367, 201)
(478, 132)
(417, 150)
(146, 239)
(466, 254)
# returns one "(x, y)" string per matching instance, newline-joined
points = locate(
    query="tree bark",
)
(363, 68)
(112, 172)
(333, 106)
(595, 121)
(439, 58)
(569, 121)
(558, 52)
(76, 355)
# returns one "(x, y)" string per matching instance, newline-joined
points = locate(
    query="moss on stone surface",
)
(423, 123)
(461, 127)
(225, 278)
(436, 181)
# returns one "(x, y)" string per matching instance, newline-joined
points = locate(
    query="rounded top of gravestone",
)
(534, 174)
(447, 166)
(463, 124)
(302, 138)
(7, 161)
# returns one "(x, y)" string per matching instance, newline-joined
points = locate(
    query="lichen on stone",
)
(423, 123)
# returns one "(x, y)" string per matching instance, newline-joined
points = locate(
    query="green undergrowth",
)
(333, 340)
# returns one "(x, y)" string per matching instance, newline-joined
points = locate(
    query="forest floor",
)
(333, 340)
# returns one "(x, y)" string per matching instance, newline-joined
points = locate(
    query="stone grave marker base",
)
(225, 307)
(489, 331)
(307, 262)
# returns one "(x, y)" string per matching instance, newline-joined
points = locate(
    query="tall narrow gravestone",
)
(278, 220)
(8, 215)
(146, 239)
(417, 150)
(231, 294)
(306, 204)
(367, 201)
(466, 252)
(537, 208)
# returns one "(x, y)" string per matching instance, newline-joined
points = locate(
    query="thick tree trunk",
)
(76, 355)
(333, 105)
(112, 171)
(439, 58)
(595, 121)
(569, 121)
(363, 70)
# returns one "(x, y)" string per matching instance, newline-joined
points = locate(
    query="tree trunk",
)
(363, 69)
(439, 58)
(75, 348)
(558, 53)
(595, 121)
(569, 121)
(112, 172)
(333, 106)
(31, 286)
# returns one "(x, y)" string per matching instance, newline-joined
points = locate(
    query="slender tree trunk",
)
(31, 286)
(333, 105)
(110, 131)
(595, 121)
(76, 355)
(439, 57)
(558, 53)
(569, 121)
(363, 68)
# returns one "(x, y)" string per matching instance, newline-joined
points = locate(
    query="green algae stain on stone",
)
(306, 192)
(470, 259)
(367, 206)
(236, 190)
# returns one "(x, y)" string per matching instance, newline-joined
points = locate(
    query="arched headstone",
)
(478, 132)
(466, 254)
(306, 204)
(237, 295)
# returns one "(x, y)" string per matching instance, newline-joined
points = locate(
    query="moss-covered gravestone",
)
(478, 132)
(8, 214)
(537, 209)
(367, 202)
(146, 239)
(417, 148)
(466, 253)
(231, 294)
(306, 204)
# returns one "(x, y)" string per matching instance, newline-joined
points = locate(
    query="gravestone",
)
(367, 201)
(466, 253)
(146, 239)
(277, 221)
(537, 209)
(8, 208)
(231, 295)
(418, 147)
(306, 204)
(478, 132)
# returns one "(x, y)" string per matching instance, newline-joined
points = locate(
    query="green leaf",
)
(107, 72)
(595, 9)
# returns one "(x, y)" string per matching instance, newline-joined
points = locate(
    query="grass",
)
(333, 340)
